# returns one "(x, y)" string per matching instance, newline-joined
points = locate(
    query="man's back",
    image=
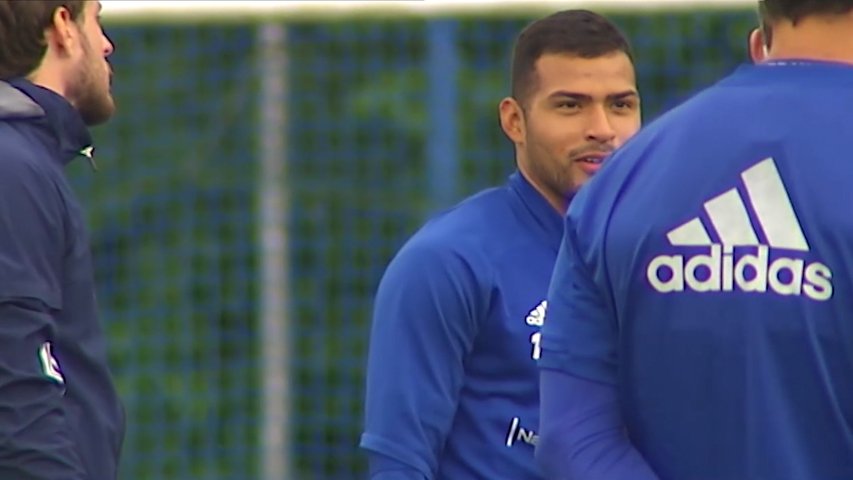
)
(727, 256)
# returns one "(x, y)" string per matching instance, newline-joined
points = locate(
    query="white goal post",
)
(234, 11)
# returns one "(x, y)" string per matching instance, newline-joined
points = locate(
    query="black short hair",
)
(764, 24)
(795, 10)
(582, 33)
(22, 38)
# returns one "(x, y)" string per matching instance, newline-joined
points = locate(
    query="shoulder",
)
(469, 223)
(28, 180)
(20, 145)
(22, 162)
(455, 242)
(468, 226)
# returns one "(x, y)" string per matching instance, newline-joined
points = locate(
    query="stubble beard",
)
(553, 171)
(88, 93)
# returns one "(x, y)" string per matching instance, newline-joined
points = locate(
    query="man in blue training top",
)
(60, 417)
(452, 385)
(700, 321)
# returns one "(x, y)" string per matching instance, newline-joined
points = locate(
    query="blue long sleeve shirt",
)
(452, 384)
(706, 274)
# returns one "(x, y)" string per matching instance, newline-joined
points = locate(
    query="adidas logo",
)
(536, 317)
(753, 269)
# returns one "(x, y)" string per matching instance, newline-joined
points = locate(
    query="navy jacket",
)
(60, 416)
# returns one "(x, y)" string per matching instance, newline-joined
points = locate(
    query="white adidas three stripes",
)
(753, 270)
(728, 214)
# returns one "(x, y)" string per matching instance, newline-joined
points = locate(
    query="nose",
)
(598, 127)
(109, 48)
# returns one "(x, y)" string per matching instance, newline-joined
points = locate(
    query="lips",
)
(591, 162)
(591, 159)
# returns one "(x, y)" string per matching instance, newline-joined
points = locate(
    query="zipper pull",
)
(88, 152)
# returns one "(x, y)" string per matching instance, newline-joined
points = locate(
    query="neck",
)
(822, 38)
(46, 77)
(558, 202)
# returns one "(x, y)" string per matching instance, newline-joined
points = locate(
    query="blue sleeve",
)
(383, 467)
(424, 324)
(581, 435)
(34, 439)
(580, 332)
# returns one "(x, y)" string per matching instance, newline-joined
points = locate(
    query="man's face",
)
(579, 111)
(90, 78)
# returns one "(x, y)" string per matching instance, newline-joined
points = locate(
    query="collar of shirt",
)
(802, 73)
(549, 221)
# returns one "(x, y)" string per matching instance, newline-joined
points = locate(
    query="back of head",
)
(807, 29)
(796, 10)
(581, 33)
(22, 33)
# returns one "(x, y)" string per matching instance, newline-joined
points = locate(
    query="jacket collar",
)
(21, 99)
(542, 212)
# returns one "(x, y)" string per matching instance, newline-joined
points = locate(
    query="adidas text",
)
(720, 271)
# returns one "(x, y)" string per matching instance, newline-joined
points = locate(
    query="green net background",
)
(174, 215)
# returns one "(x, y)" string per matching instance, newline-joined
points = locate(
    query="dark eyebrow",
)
(561, 94)
(623, 95)
(582, 97)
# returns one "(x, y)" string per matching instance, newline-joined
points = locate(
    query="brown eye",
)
(623, 105)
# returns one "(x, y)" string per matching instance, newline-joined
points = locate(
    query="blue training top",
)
(452, 385)
(706, 271)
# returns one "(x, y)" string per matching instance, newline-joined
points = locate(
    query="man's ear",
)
(757, 46)
(62, 32)
(512, 120)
